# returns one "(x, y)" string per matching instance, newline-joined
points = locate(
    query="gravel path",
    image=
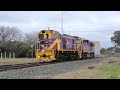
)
(47, 71)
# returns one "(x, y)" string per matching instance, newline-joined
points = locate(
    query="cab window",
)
(77, 41)
(47, 36)
(59, 36)
(41, 36)
(91, 44)
(54, 36)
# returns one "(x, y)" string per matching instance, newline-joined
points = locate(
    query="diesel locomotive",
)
(52, 46)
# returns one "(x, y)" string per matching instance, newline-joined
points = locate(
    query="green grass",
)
(104, 72)
(111, 71)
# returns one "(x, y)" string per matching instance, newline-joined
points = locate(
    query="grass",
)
(111, 72)
(102, 71)
(106, 71)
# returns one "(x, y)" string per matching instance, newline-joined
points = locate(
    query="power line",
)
(90, 31)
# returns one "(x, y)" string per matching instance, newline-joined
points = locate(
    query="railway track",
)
(20, 66)
(26, 65)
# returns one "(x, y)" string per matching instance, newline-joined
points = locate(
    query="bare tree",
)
(31, 38)
(9, 33)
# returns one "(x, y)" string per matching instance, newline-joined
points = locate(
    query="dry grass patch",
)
(16, 61)
(109, 68)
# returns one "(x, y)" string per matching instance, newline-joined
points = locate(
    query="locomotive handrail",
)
(78, 46)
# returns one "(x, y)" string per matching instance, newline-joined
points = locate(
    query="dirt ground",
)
(98, 72)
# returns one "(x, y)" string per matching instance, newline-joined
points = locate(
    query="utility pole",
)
(48, 28)
(62, 22)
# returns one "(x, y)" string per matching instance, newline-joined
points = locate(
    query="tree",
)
(31, 38)
(116, 38)
(20, 48)
(9, 33)
(103, 51)
(11, 41)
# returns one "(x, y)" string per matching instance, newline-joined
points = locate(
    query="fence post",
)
(13, 55)
(5, 54)
(1, 55)
(10, 54)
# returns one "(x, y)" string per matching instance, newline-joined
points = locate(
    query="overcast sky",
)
(93, 25)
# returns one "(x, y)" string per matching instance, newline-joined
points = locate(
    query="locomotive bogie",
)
(46, 55)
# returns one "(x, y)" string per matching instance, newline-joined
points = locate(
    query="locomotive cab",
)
(78, 42)
(48, 34)
(47, 37)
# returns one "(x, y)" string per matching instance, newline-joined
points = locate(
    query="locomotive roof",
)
(66, 35)
(50, 30)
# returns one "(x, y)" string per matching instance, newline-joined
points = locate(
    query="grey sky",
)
(93, 25)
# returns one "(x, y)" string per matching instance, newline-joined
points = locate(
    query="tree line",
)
(116, 41)
(13, 40)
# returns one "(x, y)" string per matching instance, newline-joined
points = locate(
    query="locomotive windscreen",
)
(85, 41)
(41, 36)
(77, 41)
(43, 31)
(91, 44)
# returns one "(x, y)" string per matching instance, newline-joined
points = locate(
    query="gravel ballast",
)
(47, 71)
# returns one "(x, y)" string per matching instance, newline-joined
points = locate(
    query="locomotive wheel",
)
(91, 55)
(71, 57)
(77, 57)
(59, 57)
(84, 56)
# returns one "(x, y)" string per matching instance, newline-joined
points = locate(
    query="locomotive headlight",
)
(50, 56)
(43, 50)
